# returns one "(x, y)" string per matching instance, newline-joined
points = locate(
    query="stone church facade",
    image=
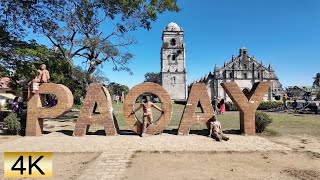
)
(245, 71)
(173, 62)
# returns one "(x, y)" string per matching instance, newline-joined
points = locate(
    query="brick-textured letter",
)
(96, 93)
(247, 103)
(36, 112)
(198, 95)
(131, 98)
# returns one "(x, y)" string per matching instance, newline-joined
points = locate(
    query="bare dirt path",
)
(224, 165)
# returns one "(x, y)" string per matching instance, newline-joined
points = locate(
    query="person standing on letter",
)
(147, 113)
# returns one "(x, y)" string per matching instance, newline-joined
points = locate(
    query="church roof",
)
(243, 62)
(173, 27)
(243, 58)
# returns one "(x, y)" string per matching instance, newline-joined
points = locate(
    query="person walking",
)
(215, 104)
(222, 106)
(285, 101)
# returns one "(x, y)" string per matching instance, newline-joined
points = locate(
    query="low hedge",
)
(264, 105)
(230, 106)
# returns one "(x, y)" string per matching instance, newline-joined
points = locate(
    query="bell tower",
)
(173, 62)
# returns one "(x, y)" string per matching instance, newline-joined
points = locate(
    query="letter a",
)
(247, 103)
(198, 95)
(97, 94)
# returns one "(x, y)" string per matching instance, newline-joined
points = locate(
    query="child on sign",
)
(216, 130)
(147, 113)
(42, 77)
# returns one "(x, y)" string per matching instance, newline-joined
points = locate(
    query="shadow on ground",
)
(203, 132)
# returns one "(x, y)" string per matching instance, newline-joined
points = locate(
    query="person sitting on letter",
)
(42, 77)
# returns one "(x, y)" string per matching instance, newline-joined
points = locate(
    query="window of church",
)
(174, 80)
(258, 75)
(173, 58)
(172, 42)
(245, 75)
(231, 75)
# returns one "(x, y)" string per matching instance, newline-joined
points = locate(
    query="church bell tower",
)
(173, 62)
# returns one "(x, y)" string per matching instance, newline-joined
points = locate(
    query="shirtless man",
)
(216, 130)
(42, 77)
(147, 113)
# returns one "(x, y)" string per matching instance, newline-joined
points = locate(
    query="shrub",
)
(230, 106)
(3, 114)
(5, 105)
(13, 123)
(262, 120)
(265, 105)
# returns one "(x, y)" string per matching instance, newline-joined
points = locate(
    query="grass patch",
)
(283, 123)
(292, 124)
(271, 132)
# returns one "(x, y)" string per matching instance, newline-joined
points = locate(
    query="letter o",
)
(129, 102)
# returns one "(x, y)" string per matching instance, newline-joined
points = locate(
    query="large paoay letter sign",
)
(99, 96)
(247, 103)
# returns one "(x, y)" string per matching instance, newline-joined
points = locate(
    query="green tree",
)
(97, 31)
(316, 81)
(152, 77)
(21, 60)
(117, 89)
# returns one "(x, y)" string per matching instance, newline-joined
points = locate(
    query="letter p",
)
(36, 112)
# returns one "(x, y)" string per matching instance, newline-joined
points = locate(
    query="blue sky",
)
(285, 33)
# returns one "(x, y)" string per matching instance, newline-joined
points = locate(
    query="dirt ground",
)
(66, 165)
(302, 162)
(224, 165)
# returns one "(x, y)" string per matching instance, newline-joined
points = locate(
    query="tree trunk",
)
(90, 76)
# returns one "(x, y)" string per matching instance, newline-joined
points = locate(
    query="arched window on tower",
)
(173, 58)
(258, 75)
(245, 75)
(174, 80)
(172, 42)
(231, 75)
